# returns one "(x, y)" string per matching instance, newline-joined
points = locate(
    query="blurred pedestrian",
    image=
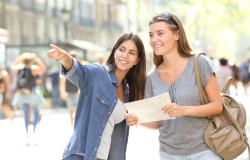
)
(26, 66)
(100, 131)
(223, 72)
(236, 79)
(5, 94)
(53, 81)
(244, 74)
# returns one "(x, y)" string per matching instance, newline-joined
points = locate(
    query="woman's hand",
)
(173, 110)
(131, 119)
(56, 53)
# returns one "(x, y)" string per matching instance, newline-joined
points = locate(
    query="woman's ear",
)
(177, 35)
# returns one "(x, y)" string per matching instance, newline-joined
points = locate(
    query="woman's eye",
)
(121, 49)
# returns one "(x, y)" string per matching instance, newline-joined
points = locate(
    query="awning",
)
(87, 45)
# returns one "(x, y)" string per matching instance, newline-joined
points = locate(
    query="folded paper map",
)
(150, 109)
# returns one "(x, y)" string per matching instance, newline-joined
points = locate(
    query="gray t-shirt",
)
(183, 135)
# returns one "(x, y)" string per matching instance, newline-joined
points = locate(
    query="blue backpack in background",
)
(25, 79)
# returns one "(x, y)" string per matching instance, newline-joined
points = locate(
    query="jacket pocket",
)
(104, 104)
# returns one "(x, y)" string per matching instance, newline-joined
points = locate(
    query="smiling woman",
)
(182, 137)
(174, 74)
(100, 131)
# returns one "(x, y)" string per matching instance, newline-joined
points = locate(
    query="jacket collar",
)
(114, 81)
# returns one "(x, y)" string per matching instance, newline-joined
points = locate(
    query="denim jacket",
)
(98, 97)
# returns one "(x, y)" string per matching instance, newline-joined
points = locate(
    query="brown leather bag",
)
(225, 133)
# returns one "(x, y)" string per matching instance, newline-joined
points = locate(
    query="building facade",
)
(36, 23)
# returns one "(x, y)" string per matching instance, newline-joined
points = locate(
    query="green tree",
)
(219, 27)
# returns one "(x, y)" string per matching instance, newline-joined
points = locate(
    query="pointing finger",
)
(55, 47)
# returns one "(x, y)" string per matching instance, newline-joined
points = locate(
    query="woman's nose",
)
(153, 39)
(125, 54)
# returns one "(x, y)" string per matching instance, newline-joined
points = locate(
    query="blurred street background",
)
(89, 28)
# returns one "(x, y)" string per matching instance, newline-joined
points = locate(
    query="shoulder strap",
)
(201, 90)
(227, 85)
(248, 147)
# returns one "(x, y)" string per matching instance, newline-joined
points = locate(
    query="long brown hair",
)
(137, 74)
(174, 24)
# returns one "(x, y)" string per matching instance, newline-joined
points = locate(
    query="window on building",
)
(85, 12)
(12, 25)
(40, 6)
(52, 32)
(26, 4)
(40, 30)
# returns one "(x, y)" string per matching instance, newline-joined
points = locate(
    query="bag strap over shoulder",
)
(201, 90)
(227, 85)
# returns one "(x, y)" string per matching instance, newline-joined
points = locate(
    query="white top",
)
(116, 117)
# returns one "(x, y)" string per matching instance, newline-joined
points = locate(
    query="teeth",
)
(124, 62)
(157, 46)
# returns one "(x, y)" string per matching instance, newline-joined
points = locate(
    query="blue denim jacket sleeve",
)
(74, 74)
